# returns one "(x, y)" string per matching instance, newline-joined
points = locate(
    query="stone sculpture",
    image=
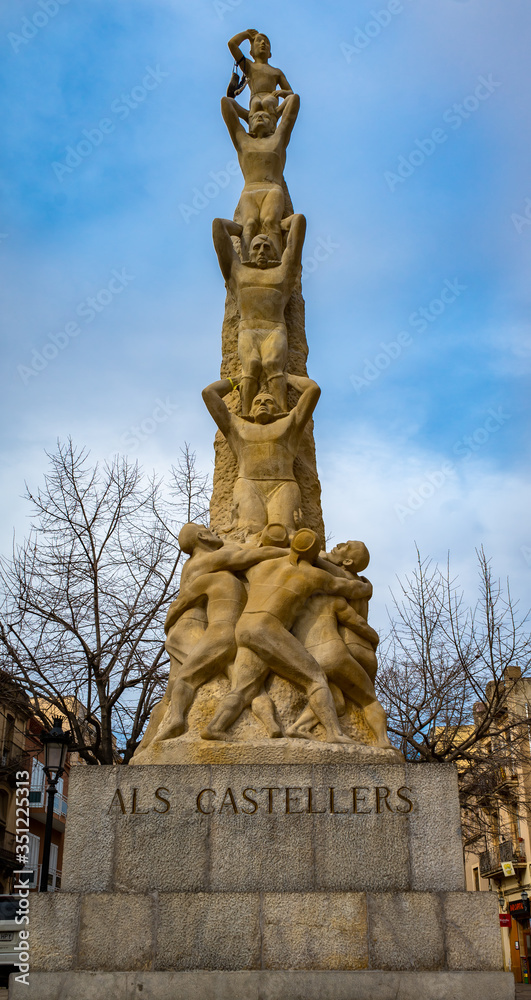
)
(261, 78)
(275, 599)
(265, 445)
(261, 288)
(262, 157)
(260, 605)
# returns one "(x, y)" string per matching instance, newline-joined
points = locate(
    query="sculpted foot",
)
(174, 728)
(338, 738)
(214, 734)
(300, 734)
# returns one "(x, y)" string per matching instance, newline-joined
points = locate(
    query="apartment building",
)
(497, 827)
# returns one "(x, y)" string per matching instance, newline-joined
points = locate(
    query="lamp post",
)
(55, 745)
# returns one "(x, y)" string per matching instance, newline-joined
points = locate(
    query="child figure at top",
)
(262, 78)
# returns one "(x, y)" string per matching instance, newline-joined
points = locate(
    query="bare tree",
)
(447, 671)
(86, 595)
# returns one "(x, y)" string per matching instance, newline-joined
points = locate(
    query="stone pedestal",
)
(320, 880)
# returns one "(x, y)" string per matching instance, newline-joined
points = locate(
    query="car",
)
(9, 937)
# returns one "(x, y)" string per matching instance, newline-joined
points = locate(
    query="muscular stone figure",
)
(261, 287)
(207, 579)
(275, 599)
(262, 157)
(262, 79)
(265, 446)
(340, 639)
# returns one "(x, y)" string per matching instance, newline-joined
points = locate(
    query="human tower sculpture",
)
(259, 595)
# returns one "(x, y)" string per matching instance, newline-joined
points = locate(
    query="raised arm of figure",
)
(347, 616)
(289, 110)
(249, 556)
(236, 41)
(213, 398)
(308, 400)
(229, 262)
(295, 225)
(346, 588)
(232, 112)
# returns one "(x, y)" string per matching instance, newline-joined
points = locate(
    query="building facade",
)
(497, 827)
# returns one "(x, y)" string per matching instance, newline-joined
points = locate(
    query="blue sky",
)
(421, 427)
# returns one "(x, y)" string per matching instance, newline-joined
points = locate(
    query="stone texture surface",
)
(472, 931)
(149, 847)
(116, 932)
(208, 931)
(254, 748)
(435, 828)
(315, 931)
(266, 985)
(406, 931)
(54, 919)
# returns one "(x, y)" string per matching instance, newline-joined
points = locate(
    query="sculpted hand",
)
(251, 32)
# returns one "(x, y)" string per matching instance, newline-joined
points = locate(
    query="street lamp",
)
(55, 745)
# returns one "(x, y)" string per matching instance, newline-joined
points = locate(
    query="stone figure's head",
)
(264, 409)
(304, 545)
(192, 535)
(354, 556)
(262, 252)
(261, 47)
(275, 534)
(262, 123)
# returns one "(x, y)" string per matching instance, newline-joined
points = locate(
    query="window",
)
(36, 795)
(33, 858)
(476, 879)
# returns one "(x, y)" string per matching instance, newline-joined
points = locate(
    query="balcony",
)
(498, 781)
(490, 862)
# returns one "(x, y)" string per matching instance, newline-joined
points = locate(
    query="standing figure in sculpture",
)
(208, 580)
(262, 157)
(277, 594)
(337, 634)
(261, 78)
(265, 446)
(261, 287)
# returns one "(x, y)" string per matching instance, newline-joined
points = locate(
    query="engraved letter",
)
(404, 799)
(336, 812)
(230, 796)
(117, 795)
(310, 804)
(134, 810)
(249, 812)
(270, 790)
(206, 812)
(162, 799)
(355, 802)
(382, 798)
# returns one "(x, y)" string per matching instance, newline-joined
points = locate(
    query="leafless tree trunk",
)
(85, 596)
